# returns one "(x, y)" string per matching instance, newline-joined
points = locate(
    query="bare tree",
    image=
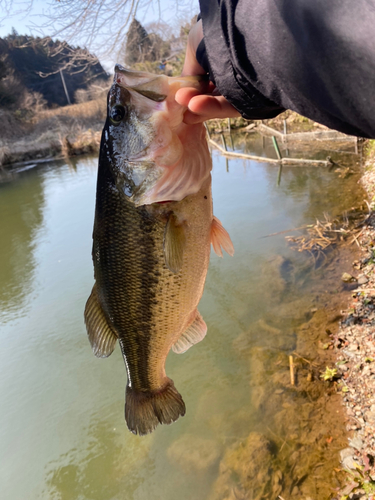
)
(99, 25)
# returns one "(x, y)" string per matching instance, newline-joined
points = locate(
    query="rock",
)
(362, 279)
(347, 458)
(347, 278)
(356, 443)
(194, 453)
(345, 453)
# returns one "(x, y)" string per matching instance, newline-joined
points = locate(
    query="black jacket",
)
(316, 57)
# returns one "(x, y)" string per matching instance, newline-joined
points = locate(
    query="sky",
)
(30, 22)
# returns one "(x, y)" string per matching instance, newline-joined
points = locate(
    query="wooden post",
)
(276, 146)
(285, 141)
(224, 142)
(230, 136)
(66, 90)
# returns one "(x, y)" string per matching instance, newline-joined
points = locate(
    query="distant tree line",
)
(155, 52)
(40, 67)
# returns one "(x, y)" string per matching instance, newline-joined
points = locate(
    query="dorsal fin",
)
(101, 336)
(174, 244)
(192, 335)
(220, 238)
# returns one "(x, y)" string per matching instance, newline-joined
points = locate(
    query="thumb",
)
(191, 65)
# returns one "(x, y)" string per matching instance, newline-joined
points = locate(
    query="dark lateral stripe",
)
(127, 276)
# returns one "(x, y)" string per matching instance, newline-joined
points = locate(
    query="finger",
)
(184, 95)
(192, 118)
(212, 106)
(191, 65)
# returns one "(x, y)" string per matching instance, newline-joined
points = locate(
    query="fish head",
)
(152, 154)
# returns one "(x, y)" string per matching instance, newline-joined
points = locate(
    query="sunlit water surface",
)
(62, 430)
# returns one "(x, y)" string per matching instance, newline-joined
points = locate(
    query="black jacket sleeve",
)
(316, 57)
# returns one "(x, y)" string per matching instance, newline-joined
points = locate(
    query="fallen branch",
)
(284, 161)
(287, 231)
(304, 359)
(330, 135)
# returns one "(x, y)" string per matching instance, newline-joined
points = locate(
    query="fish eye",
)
(117, 114)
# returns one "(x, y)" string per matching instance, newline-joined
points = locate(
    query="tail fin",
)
(145, 410)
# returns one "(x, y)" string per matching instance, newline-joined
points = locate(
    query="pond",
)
(247, 433)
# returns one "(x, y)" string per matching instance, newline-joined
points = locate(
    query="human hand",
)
(201, 106)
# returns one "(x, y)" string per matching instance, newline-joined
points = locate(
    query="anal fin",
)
(220, 238)
(101, 336)
(192, 335)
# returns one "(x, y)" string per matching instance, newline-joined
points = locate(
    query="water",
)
(62, 431)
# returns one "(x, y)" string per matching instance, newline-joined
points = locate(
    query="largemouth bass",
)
(151, 240)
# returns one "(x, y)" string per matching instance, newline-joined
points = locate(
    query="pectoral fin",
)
(101, 336)
(220, 238)
(174, 244)
(192, 335)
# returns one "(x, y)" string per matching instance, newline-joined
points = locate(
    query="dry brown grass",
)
(87, 110)
(326, 233)
(87, 141)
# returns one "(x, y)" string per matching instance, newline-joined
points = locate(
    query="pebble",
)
(370, 417)
(353, 347)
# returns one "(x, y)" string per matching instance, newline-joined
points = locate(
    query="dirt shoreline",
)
(355, 350)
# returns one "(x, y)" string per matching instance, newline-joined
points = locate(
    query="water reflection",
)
(21, 208)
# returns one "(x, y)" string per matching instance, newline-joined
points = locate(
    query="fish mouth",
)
(150, 86)
(153, 87)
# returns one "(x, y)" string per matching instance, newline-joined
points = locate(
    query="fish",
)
(152, 233)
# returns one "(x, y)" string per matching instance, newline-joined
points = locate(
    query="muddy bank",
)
(68, 131)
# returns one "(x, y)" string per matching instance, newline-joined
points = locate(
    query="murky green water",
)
(62, 431)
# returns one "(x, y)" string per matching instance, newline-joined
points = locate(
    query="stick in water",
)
(291, 367)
